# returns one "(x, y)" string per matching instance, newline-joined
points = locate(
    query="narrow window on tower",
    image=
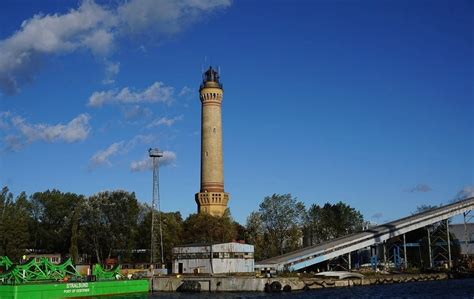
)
(214, 130)
(207, 153)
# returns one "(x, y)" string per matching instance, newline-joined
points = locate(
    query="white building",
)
(213, 258)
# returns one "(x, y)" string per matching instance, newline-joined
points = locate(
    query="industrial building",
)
(464, 234)
(213, 258)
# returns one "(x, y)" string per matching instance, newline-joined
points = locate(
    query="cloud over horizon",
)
(93, 27)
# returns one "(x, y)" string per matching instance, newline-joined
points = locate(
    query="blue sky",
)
(366, 102)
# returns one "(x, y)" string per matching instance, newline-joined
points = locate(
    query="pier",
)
(253, 284)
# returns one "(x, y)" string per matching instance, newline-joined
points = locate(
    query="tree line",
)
(115, 224)
(283, 224)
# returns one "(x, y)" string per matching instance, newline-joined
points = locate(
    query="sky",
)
(366, 102)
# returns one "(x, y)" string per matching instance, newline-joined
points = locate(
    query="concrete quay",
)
(253, 284)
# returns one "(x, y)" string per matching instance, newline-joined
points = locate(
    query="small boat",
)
(340, 274)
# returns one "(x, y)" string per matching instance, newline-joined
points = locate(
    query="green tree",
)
(424, 208)
(254, 234)
(172, 229)
(282, 219)
(110, 222)
(73, 249)
(205, 228)
(331, 221)
(52, 214)
(14, 218)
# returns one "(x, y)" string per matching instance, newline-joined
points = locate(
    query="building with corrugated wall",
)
(462, 232)
(213, 258)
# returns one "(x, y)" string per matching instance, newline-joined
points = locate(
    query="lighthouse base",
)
(213, 203)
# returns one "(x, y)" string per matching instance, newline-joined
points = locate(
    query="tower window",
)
(207, 154)
(214, 130)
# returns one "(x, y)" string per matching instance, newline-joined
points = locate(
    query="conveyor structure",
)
(315, 254)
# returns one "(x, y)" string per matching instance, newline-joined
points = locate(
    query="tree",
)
(52, 213)
(254, 234)
(205, 228)
(282, 219)
(172, 228)
(14, 219)
(73, 249)
(110, 223)
(240, 230)
(424, 208)
(331, 221)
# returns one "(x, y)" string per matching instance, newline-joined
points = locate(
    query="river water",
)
(459, 288)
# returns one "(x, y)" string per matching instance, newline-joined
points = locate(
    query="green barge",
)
(44, 280)
(73, 289)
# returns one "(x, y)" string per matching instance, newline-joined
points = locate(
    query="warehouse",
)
(213, 258)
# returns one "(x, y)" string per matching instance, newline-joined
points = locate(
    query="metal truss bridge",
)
(328, 250)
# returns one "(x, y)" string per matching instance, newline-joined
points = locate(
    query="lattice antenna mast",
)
(155, 154)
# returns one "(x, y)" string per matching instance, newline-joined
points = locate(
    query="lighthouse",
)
(211, 199)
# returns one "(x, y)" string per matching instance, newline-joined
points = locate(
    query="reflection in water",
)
(461, 288)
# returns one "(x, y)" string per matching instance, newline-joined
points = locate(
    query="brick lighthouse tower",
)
(211, 199)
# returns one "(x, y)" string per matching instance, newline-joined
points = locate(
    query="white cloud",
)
(13, 143)
(94, 27)
(18, 132)
(165, 121)
(111, 70)
(136, 112)
(162, 16)
(102, 156)
(87, 27)
(146, 163)
(76, 130)
(185, 91)
(4, 119)
(98, 98)
(140, 139)
(156, 93)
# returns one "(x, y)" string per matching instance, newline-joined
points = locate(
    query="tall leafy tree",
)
(14, 218)
(52, 213)
(205, 228)
(254, 235)
(74, 249)
(110, 223)
(331, 221)
(282, 219)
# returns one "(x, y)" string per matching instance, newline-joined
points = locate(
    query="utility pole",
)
(429, 247)
(405, 252)
(450, 263)
(155, 154)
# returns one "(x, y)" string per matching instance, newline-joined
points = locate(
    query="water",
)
(460, 288)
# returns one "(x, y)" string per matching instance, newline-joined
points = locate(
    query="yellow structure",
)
(211, 199)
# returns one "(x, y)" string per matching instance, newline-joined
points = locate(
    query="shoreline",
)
(277, 284)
